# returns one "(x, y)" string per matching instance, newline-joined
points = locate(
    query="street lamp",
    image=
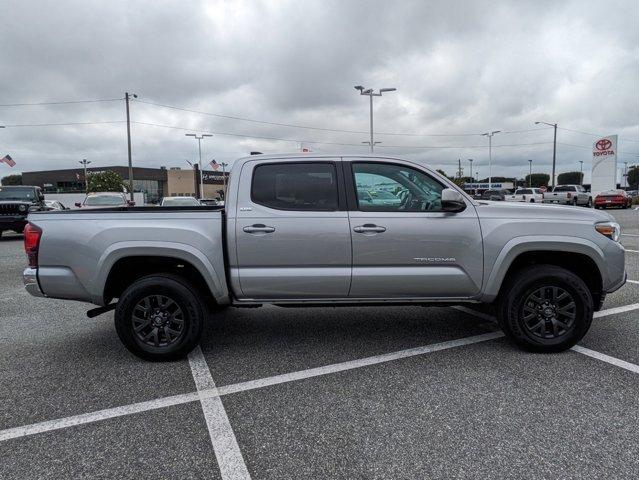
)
(581, 171)
(85, 162)
(625, 175)
(199, 147)
(490, 156)
(530, 174)
(371, 93)
(554, 148)
(470, 160)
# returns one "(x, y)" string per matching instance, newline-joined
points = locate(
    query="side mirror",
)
(452, 201)
(78, 204)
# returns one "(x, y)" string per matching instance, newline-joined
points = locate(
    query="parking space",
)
(398, 392)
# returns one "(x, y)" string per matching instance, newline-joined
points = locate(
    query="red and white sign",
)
(543, 189)
(8, 160)
(604, 164)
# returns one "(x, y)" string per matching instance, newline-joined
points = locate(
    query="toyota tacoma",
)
(295, 232)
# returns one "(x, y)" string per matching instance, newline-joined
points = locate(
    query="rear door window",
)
(296, 186)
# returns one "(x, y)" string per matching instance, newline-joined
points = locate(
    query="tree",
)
(633, 177)
(108, 181)
(12, 180)
(538, 179)
(570, 178)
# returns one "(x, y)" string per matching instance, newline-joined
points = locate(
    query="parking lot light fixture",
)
(85, 162)
(581, 170)
(490, 156)
(371, 93)
(199, 147)
(470, 160)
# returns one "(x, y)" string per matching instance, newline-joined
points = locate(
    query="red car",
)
(613, 198)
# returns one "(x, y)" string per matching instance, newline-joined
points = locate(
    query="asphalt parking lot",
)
(399, 392)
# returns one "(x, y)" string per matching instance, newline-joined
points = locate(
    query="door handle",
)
(259, 228)
(369, 228)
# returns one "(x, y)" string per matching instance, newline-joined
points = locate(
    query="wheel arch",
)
(577, 255)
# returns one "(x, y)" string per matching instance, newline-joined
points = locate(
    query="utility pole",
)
(199, 147)
(371, 93)
(224, 165)
(459, 169)
(490, 156)
(470, 171)
(127, 96)
(554, 149)
(581, 171)
(530, 174)
(85, 162)
(625, 175)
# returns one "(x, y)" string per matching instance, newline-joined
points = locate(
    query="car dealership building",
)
(155, 183)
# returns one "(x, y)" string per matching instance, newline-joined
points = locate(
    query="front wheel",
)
(545, 309)
(589, 204)
(159, 318)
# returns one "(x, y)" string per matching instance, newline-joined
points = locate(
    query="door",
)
(292, 232)
(404, 245)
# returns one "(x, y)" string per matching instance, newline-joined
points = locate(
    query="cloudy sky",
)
(460, 69)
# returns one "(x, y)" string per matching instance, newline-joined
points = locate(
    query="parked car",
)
(54, 205)
(180, 202)
(569, 195)
(294, 233)
(105, 200)
(378, 197)
(495, 195)
(531, 195)
(15, 204)
(613, 198)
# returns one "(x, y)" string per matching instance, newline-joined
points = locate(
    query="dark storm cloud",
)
(459, 67)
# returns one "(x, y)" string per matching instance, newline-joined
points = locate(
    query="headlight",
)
(22, 208)
(611, 230)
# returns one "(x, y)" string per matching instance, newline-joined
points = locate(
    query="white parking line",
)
(214, 392)
(633, 281)
(227, 451)
(607, 358)
(632, 251)
(629, 235)
(613, 311)
(115, 412)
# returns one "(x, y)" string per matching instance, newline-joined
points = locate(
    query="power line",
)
(68, 102)
(308, 127)
(16, 125)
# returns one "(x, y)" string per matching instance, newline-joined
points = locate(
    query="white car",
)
(180, 202)
(531, 195)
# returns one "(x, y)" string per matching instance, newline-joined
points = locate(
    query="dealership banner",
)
(604, 164)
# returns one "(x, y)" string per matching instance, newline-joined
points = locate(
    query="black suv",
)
(15, 204)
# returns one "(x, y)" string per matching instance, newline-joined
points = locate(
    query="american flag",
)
(214, 165)
(8, 160)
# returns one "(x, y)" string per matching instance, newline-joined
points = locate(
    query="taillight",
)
(32, 236)
(569, 195)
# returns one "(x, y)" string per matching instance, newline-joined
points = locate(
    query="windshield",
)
(180, 202)
(19, 194)
(105, 200)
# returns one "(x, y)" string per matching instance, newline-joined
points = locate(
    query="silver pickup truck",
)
(294, 232)
(569, 195)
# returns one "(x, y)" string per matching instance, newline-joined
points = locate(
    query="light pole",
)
(85, 162)
(581, 170)
(199, 148)
(470, 160)
(490, 156)
(371, 93)
(530, 174)
(127, 97)
(554, 149)
(224, 165)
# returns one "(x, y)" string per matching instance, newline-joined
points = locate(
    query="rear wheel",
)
(159, 318)
(589, 204)
(574, 202)
(545, 309)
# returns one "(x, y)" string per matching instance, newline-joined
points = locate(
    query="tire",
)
(167, 304)
(532, 200)
(522, 296)
(589, 204)
(574, 202)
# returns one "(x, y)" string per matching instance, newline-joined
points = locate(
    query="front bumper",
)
(30, 279)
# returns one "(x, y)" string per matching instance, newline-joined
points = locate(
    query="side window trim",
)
(341, 200)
